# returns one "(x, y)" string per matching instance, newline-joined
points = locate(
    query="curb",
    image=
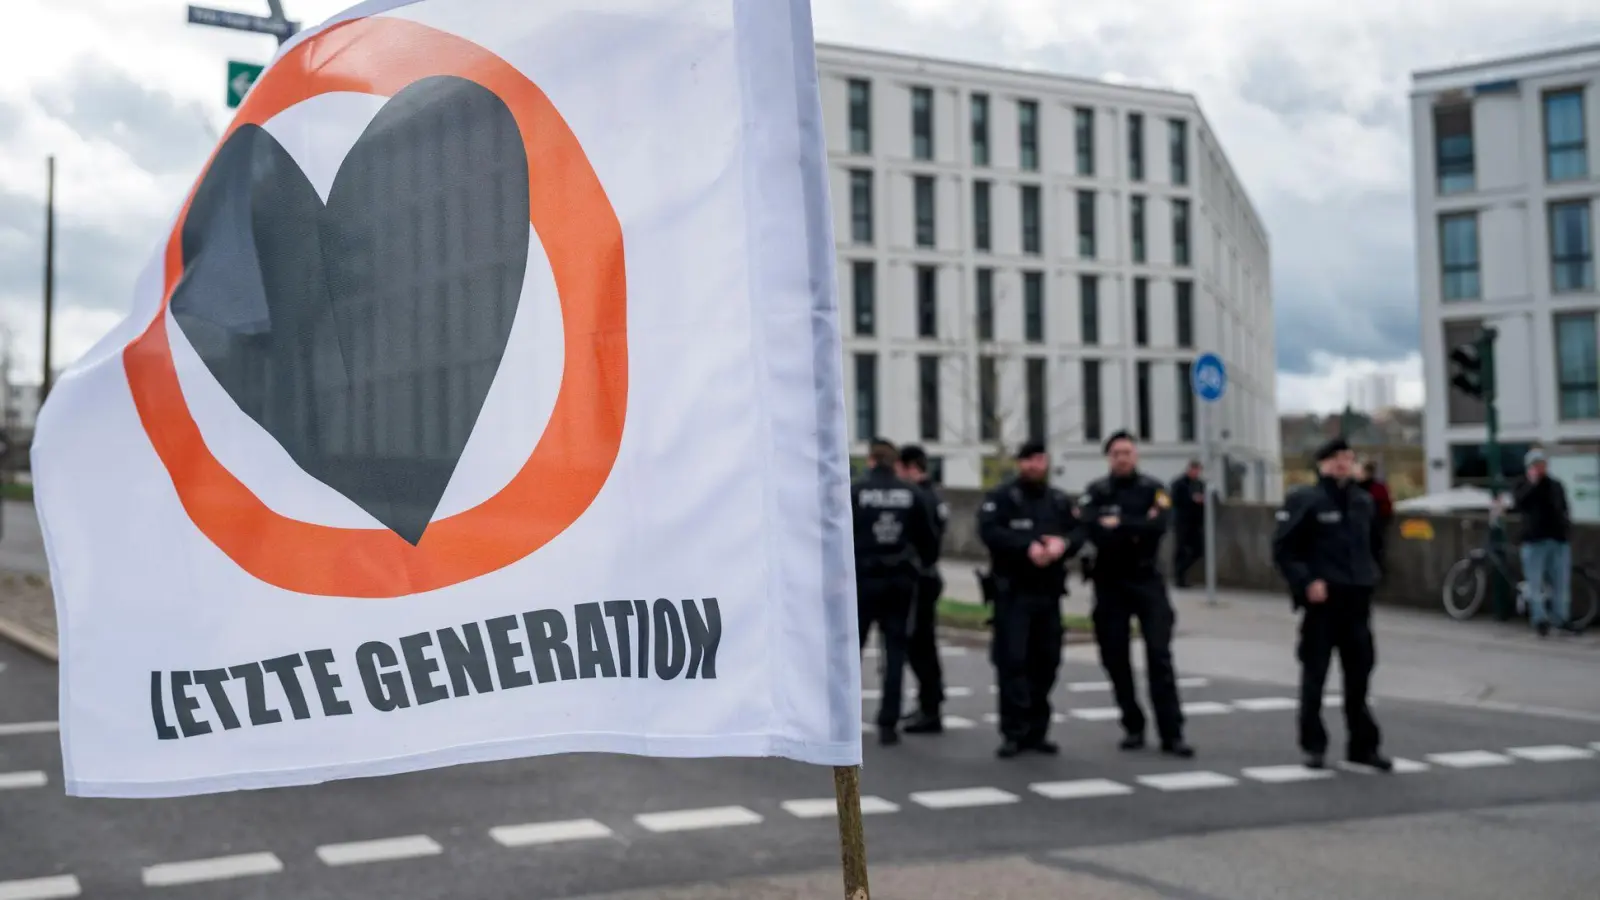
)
(30, 640)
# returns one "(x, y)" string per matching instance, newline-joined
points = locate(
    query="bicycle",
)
(1466, 585)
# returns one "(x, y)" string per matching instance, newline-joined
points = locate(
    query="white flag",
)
(483, 401)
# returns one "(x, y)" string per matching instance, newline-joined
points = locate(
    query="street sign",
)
(282, 29)
(240, 76)
(1210, 378)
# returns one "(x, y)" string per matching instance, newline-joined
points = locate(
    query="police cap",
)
(1332, 447)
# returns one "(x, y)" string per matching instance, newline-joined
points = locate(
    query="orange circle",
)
(565, 471)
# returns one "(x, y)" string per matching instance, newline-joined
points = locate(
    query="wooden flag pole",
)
(852, 837)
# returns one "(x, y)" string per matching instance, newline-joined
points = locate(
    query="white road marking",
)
(1401, 767)
(1470, 759)
(962, 798)
(953, 651)
(1098, 714)
(1335, 701)
(1552, 753)
(1286, 774)
(537, 833)
(1080, 790)
(1087, 687)
(10, 781)
(958, 692)
(214, 869)
(994, 718)
(958, 723)
(1206, 708)
(696, 819)
(824, 807)
(382, 850)
(58, 887)
(871, 694)
(1267, 704)
(1193, 682)
(15, 728)
(1187, 781)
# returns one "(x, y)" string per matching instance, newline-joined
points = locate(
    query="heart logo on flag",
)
(363, 334)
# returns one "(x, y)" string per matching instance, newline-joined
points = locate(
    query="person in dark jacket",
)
(1546, 553)
(894, 532)
(1029, 529)
(1383, 511)
(1323, 547)
(1188, 522)
(923, 648)
(1125, 515)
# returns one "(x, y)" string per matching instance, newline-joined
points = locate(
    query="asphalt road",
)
(930, 800)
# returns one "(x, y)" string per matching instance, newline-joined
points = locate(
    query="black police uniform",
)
(1324, 533)
(922, 651)
(1127, 585)
(1188, 527)
(1026, 646)
(894, 531)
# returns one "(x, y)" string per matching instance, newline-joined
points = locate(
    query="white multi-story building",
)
(1505, 170)
(1372, 392)
(1027, 255)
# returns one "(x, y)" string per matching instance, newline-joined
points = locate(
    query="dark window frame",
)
(982, 215)
(864, 297)
(1135, 146)
(927, 301)
(1030, 200)
(978, 118)
(1028, 135)
(983, 289)
(1033, 307)
(1089, 309)
(1459, 279)
(922, 139)
(925, 202)
(928, 399)
(1083, 140)
(1571, 154)
(861, 197)
(860, 103)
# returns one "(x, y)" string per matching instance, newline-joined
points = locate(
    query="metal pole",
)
(852, 836)
(1501, 596)
(49, 272)
(1210, 512)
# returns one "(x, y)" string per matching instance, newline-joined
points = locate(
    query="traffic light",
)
(1473, 363)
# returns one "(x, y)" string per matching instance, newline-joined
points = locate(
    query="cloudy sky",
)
(1307, 96)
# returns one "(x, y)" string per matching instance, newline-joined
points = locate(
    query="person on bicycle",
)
(1323, 547)
(1546, 554)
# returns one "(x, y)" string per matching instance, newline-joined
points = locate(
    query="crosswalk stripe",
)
(963, 797)
(56, 887)
(697, 819)
(1470, 759)
(10, 729)
(1097, 714)
(1552, 753)
(1081, 789)
(381, 850)
(1206, 708)
(540, 833)
(823, 807)
(1187, 781)
(10, 781)
(1286, 774)
(214, 869)
(1267, 704)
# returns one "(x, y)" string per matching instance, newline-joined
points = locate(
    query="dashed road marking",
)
(382, 850)
(1080, 790)
(994, 718)
(1087, 687)
(1470, 759)
(10, 781)
(214, 869)
(1267, 704)
(823, 807)
(962, 798)
(539, 833)
(697, 819)
(1187, 781)
(1286, 774)
(1552, 753)
(1193, 682)
(958, 723)
(1401, 767)
(958, 692)
(10, 729)
(1098, 714)
(57, 887)
(1206, 708)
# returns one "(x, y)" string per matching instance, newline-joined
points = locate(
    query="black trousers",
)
(1026, 652)
(1189, 547)
(1117, 602)
(922, 651)
(1344, 623)
(887, 602)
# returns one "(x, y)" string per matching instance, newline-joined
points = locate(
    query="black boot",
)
(923, 723)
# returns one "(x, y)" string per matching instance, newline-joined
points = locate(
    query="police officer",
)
(1323, 547)
(1029, 529)
(894, 532)
(922, 651)
(1125, 515)
(1188, 522)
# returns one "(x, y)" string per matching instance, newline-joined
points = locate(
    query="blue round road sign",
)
(1209, 377)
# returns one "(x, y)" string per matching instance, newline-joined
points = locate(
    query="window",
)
(1143, 386)
(860, 116)
(1032, 241)
(1086, 225)
(1178, 150)
(980, 129)
(1183, 301)
(1458, 255)
(1141, 312)
(1091, 401)
(985, 304)
(1462, 408)
(1469, 465)
(922, 123)
(1180, 232)
(866, 396)
(1185, 403)
(864, 289)
(1453, 156)
(1038, 400)
(982, 239)
(1083, 139)
(928, 397)
(988, 400)
(861, 206)
(927, 302)
(1566, 152)
(1033, 307)
(1028, 135)
(1089, 308)
(927, 232)
(1135, 147)
(1577, 366)
(1136, 220)
(1571, 247)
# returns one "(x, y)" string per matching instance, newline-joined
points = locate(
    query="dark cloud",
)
(161, 133)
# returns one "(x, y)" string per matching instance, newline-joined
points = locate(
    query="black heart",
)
(364, 335)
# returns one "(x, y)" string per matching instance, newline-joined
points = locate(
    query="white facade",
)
(1505, 169)
(1372, 392)
(926, 315)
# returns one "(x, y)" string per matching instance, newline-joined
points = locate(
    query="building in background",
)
(1372, 392)
(1505, 170)
(1026, 255)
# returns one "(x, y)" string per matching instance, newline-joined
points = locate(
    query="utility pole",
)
(49, 272)
(1475, 376)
